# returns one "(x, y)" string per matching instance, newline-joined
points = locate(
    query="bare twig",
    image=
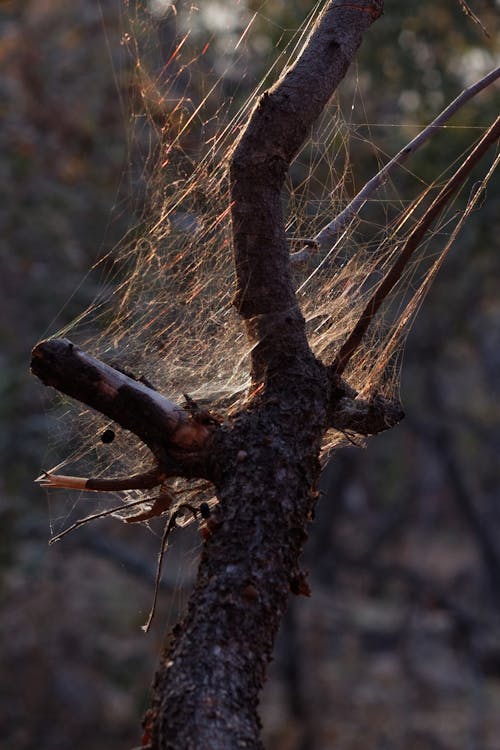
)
(412, 242)
(417, 298)
(329, 233)
(145, 481)
(468, 12)
(159, 565)
(95, 516)
(161, 504)
(169, 526)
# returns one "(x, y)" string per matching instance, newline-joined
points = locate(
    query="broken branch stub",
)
(178, 440)
(366, 417)
(348, 412)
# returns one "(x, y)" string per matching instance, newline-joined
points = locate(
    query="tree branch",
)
(207, 686)
(277, 128)
(329, 233)
(144, 481)
(348, 413)
(366, 417)
(394, 274)
(177, 440)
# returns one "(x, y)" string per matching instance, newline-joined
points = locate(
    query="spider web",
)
(164, 309)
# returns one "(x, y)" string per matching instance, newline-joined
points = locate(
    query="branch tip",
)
(144, 481)
(47, 479)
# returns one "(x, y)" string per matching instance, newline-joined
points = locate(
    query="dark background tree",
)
(390, 513)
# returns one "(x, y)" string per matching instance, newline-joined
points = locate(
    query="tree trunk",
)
(263, 461)
(266, 461)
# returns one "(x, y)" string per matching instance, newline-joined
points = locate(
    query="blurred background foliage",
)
(399, 645)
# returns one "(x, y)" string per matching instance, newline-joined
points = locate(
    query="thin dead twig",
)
(329, 233)
(454, 183)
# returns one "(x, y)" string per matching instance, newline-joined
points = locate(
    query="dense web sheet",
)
(164, 311)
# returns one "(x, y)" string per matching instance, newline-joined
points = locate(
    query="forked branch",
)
(279, 124)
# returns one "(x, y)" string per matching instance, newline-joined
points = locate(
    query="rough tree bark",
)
(264, 463)
(264, 460)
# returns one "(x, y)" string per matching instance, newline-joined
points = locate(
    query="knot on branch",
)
(275, 324)
(365, 417)
(347, 412)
